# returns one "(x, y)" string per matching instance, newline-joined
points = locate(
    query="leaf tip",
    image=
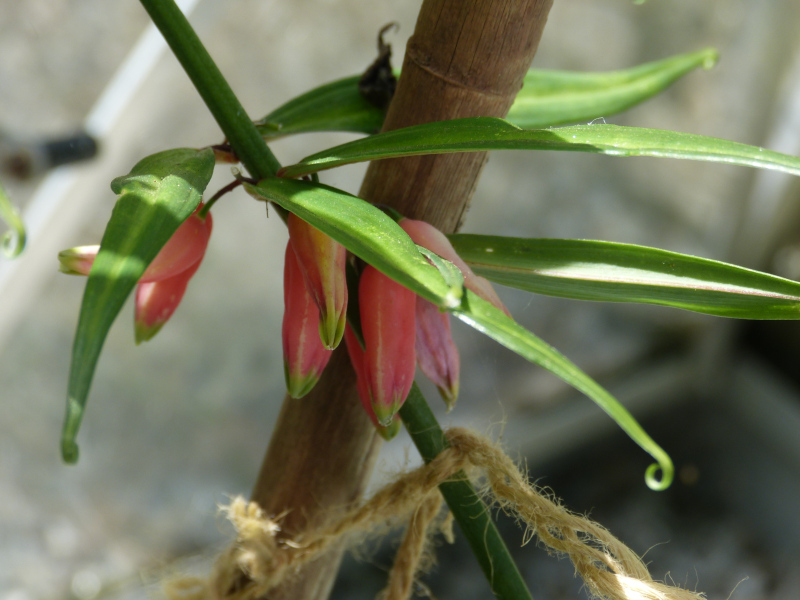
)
(69, 451)
(13, 243)
(667, 475)
(710, 56)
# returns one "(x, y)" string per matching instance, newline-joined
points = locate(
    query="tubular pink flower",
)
(356, 354)
(77, 260)
(162, 285)
(388, 325)
(426, 235)
(185, 248)
(304, 356)
(156, 301)
(161, 288)
(322, 261)
(437, 355)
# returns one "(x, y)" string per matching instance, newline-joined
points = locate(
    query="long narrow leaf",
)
(552, 98)
(159, 193)
(486, 133)
(364, 230)
(368, 233)
(611, 272)
(494, 323)
(336, 106)
(547, 98)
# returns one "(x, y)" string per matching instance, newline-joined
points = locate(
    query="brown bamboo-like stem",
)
(466, 58)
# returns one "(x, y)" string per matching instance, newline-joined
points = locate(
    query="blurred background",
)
(178, 425)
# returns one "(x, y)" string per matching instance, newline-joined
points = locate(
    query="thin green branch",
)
(242, 135)
(468, 509)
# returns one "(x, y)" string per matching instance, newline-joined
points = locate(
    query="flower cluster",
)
(161, 287)
(399, 330)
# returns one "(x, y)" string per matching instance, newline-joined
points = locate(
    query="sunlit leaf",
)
(159, 193)
(492, 322)
(364, 230)
(13, 241)
(487, 133)
(611, 272)
(559, 97)
(547, 98)
(336, 106)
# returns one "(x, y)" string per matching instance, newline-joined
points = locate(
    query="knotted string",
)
(261, 558)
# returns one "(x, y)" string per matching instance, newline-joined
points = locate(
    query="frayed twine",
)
(261, 559)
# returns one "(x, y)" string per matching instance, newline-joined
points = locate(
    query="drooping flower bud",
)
(322, 261)
(356, 354)
(426, 235)
(164, 282)
(388, 325)
(185, 248)
(437, 355)
(162, 285)
(77, 260)
(304, 356)
(156, 301)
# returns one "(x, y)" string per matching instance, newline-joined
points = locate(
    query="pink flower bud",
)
(356, 353)
(162, 285)
(426, 235)
(304, 356)
(185, 248)
(437, 355)
(388, 325)
(322, 261)
(156, 301)
(164, 282)
(77, 260)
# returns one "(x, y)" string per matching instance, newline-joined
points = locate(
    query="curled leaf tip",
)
(13, 243)
(667, 475)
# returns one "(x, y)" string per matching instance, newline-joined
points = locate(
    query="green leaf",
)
(559, 97)
(546, 98)
(363, 229)
(492, 322)
(13, 241)
(159, 193)
(336, 106)
(611, 272)
(480, 134)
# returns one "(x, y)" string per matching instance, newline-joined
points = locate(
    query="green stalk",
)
(239, 130)
(468, 509)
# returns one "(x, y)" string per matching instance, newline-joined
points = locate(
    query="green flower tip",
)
(331, 329)
(297, 387)
(391, 430)
(144, 333)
